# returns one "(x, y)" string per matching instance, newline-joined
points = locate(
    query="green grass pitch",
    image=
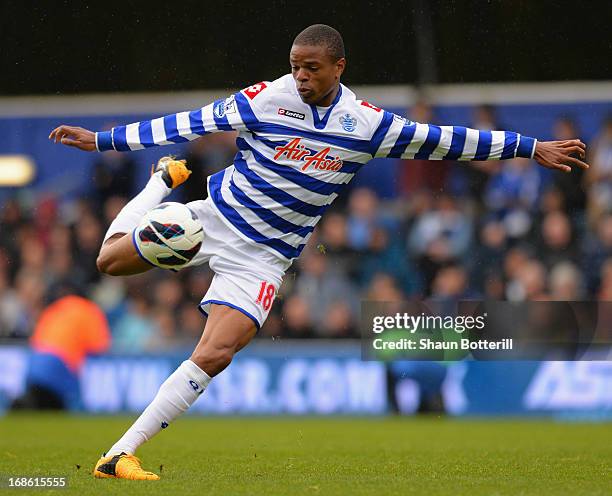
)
(318, 456)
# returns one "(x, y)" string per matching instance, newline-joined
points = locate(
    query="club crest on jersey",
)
(224, 107)
(349, 123)
(291, 113)
(219, 109)
(295, 150)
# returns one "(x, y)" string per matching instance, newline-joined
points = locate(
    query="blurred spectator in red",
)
(67, 331)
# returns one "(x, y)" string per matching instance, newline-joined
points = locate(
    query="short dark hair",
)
(322, 34)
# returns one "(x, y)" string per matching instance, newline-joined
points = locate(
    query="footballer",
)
(301, 139)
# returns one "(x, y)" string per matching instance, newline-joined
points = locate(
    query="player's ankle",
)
(158, 179)
(119, 451)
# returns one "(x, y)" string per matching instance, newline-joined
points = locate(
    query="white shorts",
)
(247, 276)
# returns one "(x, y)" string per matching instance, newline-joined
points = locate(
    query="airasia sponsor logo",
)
(295, 150)
(252, 91)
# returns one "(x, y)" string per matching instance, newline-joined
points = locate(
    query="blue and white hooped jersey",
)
(294, 158)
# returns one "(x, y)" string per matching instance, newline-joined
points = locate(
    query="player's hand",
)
(559, 154)
(80, 138)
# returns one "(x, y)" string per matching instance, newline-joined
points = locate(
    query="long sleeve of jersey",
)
(400, 138)
(221, 115)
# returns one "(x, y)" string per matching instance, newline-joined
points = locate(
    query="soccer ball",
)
(169, 235)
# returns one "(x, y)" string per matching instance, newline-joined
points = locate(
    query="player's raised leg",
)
(118, 256)
(226, 332)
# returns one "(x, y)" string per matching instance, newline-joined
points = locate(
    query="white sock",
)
(174, 397)
(129, 217)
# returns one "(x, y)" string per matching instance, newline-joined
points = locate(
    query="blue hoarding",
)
(331, 379)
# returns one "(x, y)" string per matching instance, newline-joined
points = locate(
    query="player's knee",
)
(102, 264)
(106, 265)
(213, 360)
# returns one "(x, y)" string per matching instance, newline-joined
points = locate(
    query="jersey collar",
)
(321, 123)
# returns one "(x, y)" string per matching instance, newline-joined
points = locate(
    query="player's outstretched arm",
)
(226, 114)
(167, 130)
(398, 138)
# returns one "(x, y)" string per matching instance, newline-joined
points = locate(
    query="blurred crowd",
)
(502, 230)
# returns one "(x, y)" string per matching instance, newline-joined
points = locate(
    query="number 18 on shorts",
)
(266, 295)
